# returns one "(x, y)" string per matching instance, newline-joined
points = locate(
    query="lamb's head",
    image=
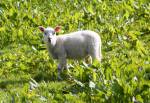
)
(50, 34)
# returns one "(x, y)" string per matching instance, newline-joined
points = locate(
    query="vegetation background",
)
(28, 74)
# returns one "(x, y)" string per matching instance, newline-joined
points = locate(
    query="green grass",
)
(28, 74)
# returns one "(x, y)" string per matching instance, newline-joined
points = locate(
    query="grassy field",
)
(29, 75)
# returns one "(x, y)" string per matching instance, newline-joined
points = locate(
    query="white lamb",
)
(75, 45)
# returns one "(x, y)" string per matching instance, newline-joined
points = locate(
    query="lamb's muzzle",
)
(75, 45)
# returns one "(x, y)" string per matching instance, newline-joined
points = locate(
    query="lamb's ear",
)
(57, 29)
(42, 28)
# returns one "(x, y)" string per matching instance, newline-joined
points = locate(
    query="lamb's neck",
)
(49, 46)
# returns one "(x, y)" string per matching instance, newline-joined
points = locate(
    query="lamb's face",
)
(49, 34)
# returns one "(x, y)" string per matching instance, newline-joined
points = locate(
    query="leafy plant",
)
(28, 74)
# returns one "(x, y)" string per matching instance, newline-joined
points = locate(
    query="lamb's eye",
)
(53, 32)
(45, 34)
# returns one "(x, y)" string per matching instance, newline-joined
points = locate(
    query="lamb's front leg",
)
(62, 64)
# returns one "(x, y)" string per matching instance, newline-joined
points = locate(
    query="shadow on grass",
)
(49, 76)
(4, 84)
(42, 76)
(38, 77)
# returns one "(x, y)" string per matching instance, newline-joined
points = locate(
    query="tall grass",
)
(28, 74)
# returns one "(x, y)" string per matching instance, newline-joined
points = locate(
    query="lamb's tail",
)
(100, 54)
(100, 51)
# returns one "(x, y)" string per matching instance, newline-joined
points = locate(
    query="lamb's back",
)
(76, 43)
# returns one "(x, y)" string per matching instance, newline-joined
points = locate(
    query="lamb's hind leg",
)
(96, 54)
(96, 57)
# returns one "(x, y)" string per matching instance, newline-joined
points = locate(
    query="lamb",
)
(75, 45)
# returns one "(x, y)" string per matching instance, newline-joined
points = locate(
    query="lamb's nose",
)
(49, 39)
